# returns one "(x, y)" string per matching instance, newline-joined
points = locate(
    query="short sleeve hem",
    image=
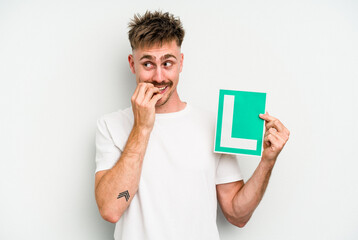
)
(106, 162)
(229, 179)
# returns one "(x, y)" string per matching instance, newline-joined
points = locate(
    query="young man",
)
(157, 176)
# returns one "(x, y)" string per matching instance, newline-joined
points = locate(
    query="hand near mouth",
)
(143, 105)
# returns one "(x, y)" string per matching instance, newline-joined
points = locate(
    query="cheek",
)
(172, 75)
(143, 76)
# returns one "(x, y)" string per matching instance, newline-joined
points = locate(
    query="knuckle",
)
(144, 104)
(142, 85)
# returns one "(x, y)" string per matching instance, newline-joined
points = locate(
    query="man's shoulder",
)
(122, 118)
(119, 115)
(117, 124)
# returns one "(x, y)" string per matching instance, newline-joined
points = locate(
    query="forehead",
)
(157, 50)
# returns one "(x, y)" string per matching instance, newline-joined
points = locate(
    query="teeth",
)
(162, 88)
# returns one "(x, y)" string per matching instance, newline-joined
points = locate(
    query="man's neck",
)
(174, 104)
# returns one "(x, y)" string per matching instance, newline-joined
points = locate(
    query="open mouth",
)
(162, 89)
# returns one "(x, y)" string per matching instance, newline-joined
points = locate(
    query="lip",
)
(163, 90)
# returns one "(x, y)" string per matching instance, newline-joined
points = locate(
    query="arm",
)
(238, 200)
(115, 188)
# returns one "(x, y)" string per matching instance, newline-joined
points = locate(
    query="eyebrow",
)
(166, 56)
(150, 57)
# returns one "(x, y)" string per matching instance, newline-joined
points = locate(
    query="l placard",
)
(239, 129)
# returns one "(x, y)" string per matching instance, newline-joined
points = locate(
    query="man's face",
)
(159, 65)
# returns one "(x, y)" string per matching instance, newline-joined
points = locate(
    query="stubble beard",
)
(166, 100)
(169, 85)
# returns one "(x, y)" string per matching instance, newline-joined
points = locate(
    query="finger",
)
(275, 124)
(149, 94)
(266, 117)
(135, 94)
(148, 85)
(272, 131)
(155, 98)
(262, 116)
(274, 140)
(269, 131)
(267, 140)
(277, 135)
(279, 126)
(142, 88)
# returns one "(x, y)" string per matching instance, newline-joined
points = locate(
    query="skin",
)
(239, 200)
(160, 66)
(156, 67)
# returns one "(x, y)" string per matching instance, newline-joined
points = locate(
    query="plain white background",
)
(63, 64)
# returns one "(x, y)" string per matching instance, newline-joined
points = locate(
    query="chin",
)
(165, 98)
(161, 102)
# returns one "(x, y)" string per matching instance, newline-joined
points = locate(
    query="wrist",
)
(137, 142)
(268, 163)
(142, 130)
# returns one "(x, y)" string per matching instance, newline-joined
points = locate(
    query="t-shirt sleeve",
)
(228, 169)
(107, 154)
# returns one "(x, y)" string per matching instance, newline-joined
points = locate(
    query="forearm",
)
(124, 176)
(249, 196)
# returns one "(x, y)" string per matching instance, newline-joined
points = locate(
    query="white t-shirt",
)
(176, 198)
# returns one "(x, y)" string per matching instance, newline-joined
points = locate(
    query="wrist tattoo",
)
(124, 194)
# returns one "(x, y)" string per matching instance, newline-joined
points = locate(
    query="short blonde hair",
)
(155, 28)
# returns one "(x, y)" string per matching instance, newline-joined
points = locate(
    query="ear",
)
(131, 63)
(181, 61)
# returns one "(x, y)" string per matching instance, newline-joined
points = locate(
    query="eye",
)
(148, 64)
(167, 64)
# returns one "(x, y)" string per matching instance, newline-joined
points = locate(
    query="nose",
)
(158, 75)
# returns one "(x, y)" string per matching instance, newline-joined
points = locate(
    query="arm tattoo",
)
(124, 194)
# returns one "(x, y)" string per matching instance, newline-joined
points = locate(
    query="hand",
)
(276, 136)
(143, 101)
